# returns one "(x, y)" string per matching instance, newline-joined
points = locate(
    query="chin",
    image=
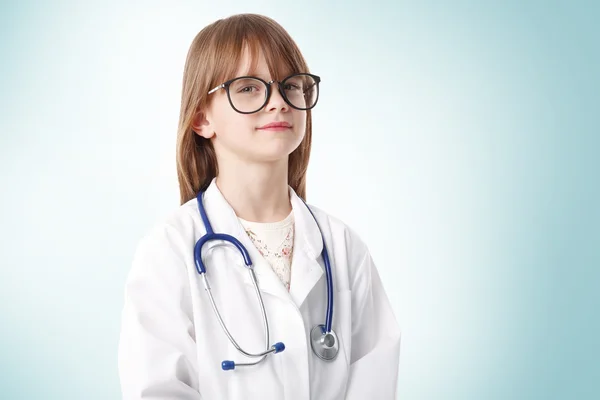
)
(271, 152)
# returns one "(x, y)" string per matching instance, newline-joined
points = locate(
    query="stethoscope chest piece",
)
(325, 345)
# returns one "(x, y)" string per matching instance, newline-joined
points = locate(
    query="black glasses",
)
(249, 94)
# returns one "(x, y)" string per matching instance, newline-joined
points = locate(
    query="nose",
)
(276, 101)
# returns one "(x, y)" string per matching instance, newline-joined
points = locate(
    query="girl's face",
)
(245, 136)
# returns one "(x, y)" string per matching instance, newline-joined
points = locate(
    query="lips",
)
(276, 125)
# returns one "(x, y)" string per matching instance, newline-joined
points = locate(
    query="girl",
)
(242, 153)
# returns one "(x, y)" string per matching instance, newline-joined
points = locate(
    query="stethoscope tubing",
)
(201, 268)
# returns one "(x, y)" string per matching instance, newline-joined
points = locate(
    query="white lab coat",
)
(171, 344)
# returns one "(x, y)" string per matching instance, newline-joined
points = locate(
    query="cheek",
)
(231, 125)
(300, 123)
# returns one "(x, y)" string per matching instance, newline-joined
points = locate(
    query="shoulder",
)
(170, 235)
(343, 237)
(339, 228)
(160, 271)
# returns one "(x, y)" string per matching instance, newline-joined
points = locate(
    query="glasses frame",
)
(226, 85)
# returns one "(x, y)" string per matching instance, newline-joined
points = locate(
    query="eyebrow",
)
(266, 78)
(263, 77)
(253, 73)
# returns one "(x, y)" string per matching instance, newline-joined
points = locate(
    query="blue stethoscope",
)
(324, 341)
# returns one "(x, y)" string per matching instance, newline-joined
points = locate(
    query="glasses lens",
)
(301, 91)
(247, 94)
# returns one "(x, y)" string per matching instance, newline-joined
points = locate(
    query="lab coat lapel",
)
(224, 220)
(307, 270)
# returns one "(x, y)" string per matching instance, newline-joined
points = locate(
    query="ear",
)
(202, 126)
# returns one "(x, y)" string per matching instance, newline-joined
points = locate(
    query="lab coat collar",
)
(306, 271)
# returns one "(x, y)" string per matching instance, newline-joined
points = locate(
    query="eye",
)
(291, 86)
(247, 86)
(248, 89)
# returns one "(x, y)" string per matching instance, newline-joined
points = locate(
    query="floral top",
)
(275, 242)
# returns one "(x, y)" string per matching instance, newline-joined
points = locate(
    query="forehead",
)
(254, 61)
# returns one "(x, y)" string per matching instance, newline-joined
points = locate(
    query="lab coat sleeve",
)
(157, 353)
(375, 339)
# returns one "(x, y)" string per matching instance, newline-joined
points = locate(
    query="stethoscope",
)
(323, 340)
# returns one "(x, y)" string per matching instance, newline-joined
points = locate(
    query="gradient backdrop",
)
(460, 139)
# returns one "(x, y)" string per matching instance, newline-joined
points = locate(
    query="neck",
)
(257, 192)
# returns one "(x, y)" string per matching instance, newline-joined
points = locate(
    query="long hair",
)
(213, 58)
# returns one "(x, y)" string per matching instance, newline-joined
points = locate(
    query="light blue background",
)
(460, 139)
